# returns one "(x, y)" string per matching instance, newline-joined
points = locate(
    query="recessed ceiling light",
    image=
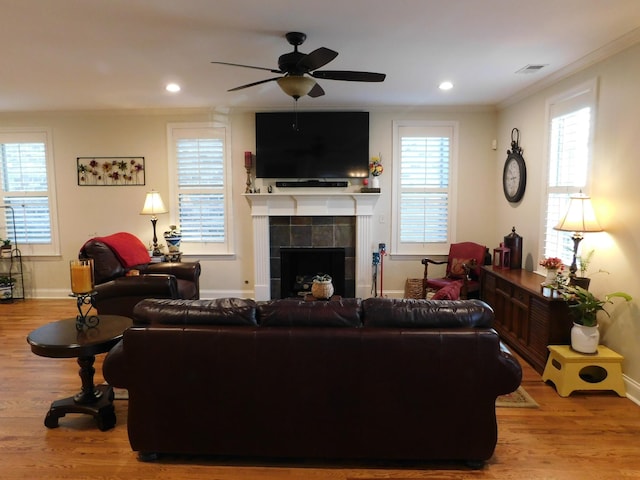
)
(173, 87)
(446, 86)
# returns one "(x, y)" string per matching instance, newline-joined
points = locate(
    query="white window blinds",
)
(26, 187)
(570, 130)
(199, 194)
(424, 186)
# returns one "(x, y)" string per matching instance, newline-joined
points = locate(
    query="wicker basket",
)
(322, 289)
(413, 288)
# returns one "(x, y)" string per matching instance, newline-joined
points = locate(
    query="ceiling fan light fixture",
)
(296, 86)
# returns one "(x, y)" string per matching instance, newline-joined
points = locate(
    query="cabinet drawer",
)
(504, 287)
(520, 296)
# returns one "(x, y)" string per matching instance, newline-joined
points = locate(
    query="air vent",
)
(532, 68)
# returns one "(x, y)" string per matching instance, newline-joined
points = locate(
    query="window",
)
(423, 172)
(27, 186)
(200, 191)
(569, 133)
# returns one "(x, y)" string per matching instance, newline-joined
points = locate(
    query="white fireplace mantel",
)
(265, 205)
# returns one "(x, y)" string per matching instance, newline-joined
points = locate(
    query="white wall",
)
(614, 191)
(85, 212)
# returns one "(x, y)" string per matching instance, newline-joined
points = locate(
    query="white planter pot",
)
(375, 182)
(585, 339)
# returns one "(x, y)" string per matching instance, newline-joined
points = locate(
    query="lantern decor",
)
(82, 287)
(248, 163)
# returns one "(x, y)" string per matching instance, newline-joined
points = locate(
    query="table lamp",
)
(153, 205)
(579, 218)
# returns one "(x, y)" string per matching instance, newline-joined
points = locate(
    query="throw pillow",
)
(450, 292)
(457, 267)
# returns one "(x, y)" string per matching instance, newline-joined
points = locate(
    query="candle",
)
(248, 159)
(81, 276)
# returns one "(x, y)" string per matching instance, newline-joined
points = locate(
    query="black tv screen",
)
(312, 145)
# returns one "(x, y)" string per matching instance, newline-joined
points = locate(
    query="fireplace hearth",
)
(298, 267)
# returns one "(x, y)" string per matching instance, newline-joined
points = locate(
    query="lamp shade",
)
(296, 86)
(153, 204)
(579, 216)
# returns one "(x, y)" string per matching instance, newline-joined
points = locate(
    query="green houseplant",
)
(585, 306)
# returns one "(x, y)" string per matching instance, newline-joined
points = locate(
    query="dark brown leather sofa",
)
(380, 379)
(118, 293)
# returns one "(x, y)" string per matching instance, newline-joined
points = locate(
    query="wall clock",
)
(514, 174)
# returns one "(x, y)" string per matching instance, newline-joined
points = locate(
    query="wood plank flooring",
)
(587, 436)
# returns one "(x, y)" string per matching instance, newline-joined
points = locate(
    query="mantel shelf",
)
(312, 203)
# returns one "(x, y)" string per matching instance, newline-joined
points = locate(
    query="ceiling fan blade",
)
(248, 66)
(316, 59)
(253, 84)
(349, 76)
(316, 91)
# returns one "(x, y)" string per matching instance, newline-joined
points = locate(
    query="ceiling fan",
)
(298, 70)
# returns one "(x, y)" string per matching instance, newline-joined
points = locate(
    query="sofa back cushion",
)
(412, 313)
(221, 311)
(301, 313)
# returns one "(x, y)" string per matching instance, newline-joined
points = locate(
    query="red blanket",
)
(128, 248)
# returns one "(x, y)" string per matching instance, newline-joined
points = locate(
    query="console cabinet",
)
(527, 317)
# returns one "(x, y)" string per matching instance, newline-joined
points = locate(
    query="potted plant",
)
(6, 287)
(5, 248)
(585, 306)
(584, 261)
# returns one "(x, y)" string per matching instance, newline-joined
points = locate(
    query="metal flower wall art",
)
(110, 171)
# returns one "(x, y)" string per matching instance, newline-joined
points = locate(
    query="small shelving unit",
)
(11, 265)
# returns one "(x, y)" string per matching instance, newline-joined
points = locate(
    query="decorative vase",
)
(173, 238)
(322, 289)
(375, 182)
(552, 277)
(585, 339)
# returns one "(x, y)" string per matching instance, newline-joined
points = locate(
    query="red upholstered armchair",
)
(462, 277)
(116, 257)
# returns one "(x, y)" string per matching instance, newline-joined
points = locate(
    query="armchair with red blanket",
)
(124, 274)
(462, 276)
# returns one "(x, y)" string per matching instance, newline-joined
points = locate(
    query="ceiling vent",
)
(532, 68)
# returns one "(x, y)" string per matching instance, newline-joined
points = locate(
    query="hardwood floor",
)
(587, 436)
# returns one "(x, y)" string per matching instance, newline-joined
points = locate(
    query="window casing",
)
(424, 178)
(27, 185)
(569, 138)
(200, 190)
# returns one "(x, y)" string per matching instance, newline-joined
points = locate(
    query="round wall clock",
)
(514, 175)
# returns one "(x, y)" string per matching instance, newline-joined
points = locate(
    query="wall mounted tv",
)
(312, 145)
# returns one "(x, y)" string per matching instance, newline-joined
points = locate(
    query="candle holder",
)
(248, 189)
(248, 163)
(82, 287)
(83, 319)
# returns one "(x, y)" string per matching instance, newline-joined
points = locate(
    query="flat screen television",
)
(312, 145)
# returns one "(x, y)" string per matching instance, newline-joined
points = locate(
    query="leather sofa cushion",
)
(300, 313)
(412, 313)
(221, 311)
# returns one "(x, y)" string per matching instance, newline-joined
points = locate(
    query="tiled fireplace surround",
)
(341, 211)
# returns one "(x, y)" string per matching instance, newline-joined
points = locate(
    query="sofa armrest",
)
(182, 270)
(119, 296)
(148, 285)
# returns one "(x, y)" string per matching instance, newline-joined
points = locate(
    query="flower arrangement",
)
(552, 263)
(375, 167)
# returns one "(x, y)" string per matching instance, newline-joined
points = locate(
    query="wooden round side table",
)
(61, 339)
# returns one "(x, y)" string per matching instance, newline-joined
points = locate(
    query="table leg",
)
(92, 400)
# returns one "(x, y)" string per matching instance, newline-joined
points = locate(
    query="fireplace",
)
(267, 209)
(308, 245)
(298, 266)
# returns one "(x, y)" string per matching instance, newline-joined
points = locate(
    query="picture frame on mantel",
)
(110, 171)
